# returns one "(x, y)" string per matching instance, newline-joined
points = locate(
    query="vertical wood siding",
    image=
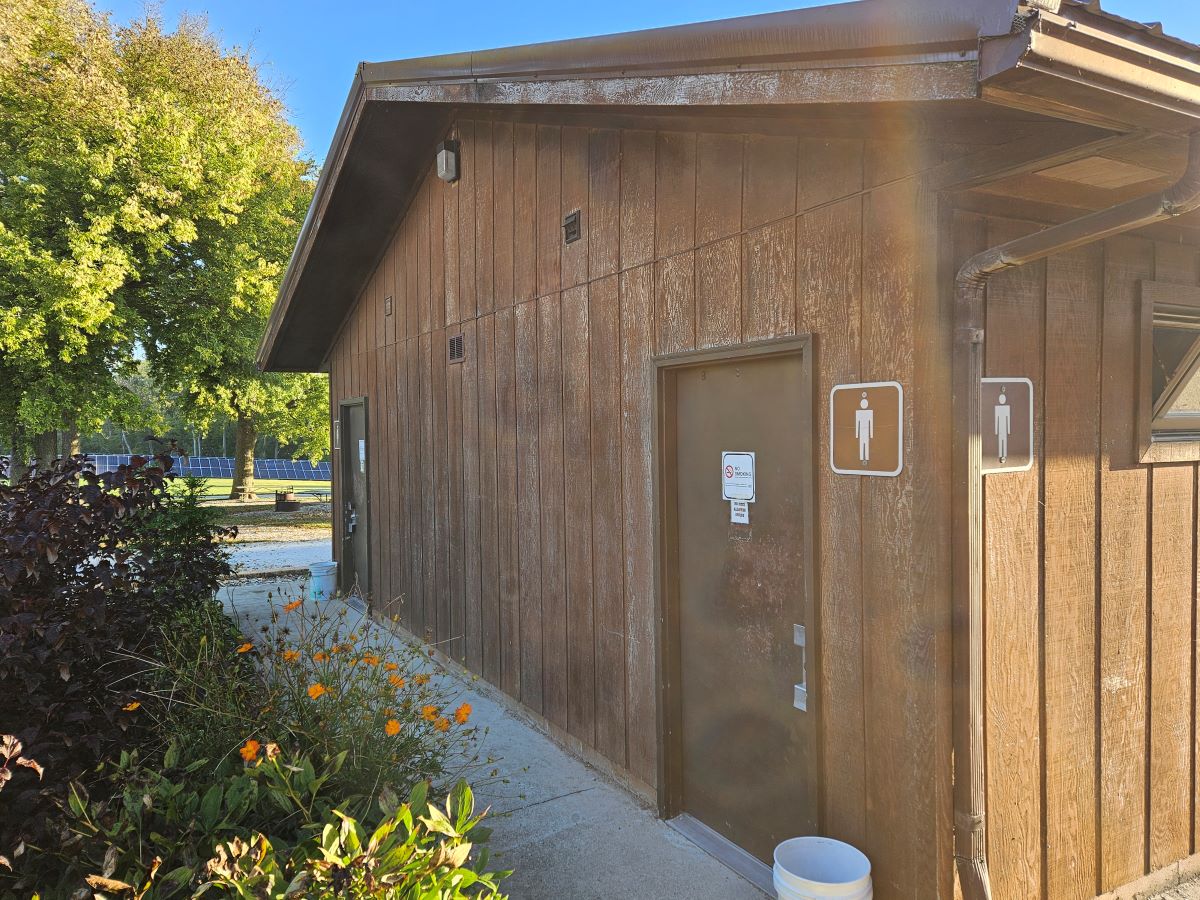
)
(1090, 588)
(512, 515)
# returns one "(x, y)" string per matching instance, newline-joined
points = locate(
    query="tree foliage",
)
(150, 194)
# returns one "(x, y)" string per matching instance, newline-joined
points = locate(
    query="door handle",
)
(800, 691)
(351, 519)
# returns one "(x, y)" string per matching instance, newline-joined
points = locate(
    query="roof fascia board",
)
(339, 146)
(835, 31)
(876, 83)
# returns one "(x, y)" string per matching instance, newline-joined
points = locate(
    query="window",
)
(1171, 361)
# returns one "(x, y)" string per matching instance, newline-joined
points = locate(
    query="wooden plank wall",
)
(512, 494)
(1090, 588)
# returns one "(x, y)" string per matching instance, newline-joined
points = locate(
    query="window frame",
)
(1180, 441)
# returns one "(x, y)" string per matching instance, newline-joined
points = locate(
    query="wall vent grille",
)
(572, 227)
(457, 353)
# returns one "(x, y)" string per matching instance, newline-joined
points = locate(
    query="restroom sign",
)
(1006, 408)
(866, 424)
(737, 475)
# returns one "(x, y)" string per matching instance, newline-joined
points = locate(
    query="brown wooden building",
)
(528, 404)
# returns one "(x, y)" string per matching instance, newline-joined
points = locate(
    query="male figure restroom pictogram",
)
(866, 422)
(1002, 425)
(864, 428)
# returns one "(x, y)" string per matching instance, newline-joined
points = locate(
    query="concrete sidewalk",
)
(257, 557)
(569, 832)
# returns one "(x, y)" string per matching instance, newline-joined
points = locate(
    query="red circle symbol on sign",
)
(729, 471)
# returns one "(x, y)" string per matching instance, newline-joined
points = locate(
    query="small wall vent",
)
(572, 228)
(457, 353)
(387, 306)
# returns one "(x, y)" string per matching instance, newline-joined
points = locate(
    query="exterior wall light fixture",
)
(447, 161)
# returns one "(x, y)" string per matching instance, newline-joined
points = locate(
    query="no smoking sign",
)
(737, 475)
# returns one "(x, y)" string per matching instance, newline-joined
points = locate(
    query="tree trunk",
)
(45, 449)
(243, 459)
(71, 444)
(18, 464)
(125, 441)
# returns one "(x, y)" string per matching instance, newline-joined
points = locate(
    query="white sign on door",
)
(739, 512)
(737, 475)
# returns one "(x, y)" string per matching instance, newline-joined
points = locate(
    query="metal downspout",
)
(970, 808)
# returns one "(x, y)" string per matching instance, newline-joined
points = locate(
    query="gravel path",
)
(255, 534)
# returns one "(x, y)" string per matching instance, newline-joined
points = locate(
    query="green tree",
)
(150, 193)
(205, 351)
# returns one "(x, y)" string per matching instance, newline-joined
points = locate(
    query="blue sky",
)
(308, 49)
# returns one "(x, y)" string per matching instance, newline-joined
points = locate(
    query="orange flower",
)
(320, 656)
(462, 714)
(250, 750)
(390, 667)
(396, 681)
(392, 728)
(130, 707)
(421, 679)
(388, 711)
(294, 605)
(291, 655)
(245, 648)
(429, 713)
(338, 648)
(442, 724)
(371, 659)
(315, 691)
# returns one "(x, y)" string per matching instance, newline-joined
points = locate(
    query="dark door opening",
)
(355, 568)
(741, 752)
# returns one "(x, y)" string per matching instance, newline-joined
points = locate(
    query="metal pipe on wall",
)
(970, 809)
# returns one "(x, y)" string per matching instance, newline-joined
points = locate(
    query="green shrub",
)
(419, 851)
(315, 687)
(259, 828)
(184, 545)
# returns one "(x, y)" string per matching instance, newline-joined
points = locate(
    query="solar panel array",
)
(222, 467)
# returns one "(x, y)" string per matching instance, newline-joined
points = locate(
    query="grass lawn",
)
(258, 520)
(265, 487)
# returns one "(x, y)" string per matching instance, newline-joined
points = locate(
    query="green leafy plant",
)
(266, 826)
(419, 851)
(315, 686)
(184, 545)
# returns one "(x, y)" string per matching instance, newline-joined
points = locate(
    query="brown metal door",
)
(356, 561)
(746, 751)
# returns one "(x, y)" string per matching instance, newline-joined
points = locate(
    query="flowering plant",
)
(333, 685)
(317, 682)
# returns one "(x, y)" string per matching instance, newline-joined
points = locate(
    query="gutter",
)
(970, 796)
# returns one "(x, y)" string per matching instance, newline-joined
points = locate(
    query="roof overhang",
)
(1075, 62)
(873, 53)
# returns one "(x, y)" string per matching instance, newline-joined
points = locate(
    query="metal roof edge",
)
(338, 146)
(856, 29)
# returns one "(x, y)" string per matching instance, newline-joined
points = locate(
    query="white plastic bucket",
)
(818, 868)
(322, 580)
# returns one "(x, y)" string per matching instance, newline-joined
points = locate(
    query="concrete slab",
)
(1189, 890)
(277, 556)
(568, 831)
